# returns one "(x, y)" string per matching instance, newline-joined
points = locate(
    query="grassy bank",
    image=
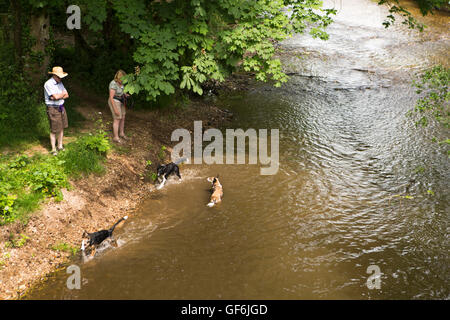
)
(27, 180)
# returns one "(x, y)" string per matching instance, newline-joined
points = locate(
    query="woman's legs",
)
(116, 124)
(122, 127)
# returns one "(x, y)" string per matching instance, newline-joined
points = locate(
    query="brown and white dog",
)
(217, 191)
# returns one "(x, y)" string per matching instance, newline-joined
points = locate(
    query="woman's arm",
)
(112, 93)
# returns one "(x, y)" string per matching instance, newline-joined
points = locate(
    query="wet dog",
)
(96, 238)
(165, 170)
(217, 191)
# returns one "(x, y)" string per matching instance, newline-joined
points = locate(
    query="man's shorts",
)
(58, 120)
(119, 106)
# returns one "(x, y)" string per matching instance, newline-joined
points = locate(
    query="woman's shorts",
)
(58, 120)
(119, 106)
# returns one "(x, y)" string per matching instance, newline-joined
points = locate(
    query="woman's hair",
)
(119, 74)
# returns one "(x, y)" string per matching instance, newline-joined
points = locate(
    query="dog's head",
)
(213, 180)
(160, 169)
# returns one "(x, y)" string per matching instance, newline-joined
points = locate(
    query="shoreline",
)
(96, 202)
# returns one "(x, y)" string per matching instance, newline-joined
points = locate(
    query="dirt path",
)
(95, 202)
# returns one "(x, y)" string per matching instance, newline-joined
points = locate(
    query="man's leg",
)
(60, 139)
(53, 141)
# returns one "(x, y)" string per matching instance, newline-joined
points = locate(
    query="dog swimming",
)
(96, 238)
(165, 170)
(217, 191)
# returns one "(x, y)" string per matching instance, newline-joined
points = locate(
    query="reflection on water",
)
(348, 193)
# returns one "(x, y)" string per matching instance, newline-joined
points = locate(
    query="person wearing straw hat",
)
(55, 94)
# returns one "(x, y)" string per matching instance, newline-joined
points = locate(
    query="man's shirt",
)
(52, 87)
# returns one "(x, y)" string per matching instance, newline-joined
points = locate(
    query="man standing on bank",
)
(55, 94)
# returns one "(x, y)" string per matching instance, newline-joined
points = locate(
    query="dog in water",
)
(217, 191)
(165, 170)
(96, 238)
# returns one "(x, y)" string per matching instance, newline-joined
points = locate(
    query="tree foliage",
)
(425, 6)
(434, 103)
(181, 44)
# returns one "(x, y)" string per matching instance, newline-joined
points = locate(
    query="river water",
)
(351, 191)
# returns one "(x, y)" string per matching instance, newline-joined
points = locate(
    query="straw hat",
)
(59, 72)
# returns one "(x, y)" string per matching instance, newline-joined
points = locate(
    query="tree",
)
(425, 6)
(17, 13)
(434, 103)
(181, 44)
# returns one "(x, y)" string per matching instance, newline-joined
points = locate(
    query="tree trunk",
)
(4, 23)
(108, 27)
(39, 24)
(17, 10)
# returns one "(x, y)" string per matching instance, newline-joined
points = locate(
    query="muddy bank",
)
(95, 202)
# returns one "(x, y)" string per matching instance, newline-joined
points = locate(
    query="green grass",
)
(65, 247)
(25, 125)
(80, 160)
(4, 259)
(25, 181)
(21, 126)
(121, 149)
(162, 153)
(27, 203)
(16, 243)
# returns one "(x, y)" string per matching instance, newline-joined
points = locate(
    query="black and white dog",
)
(96, 238)
(165, 170)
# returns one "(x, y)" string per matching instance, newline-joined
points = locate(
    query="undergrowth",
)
(27, 180)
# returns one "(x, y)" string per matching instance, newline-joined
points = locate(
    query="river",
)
(351, 191)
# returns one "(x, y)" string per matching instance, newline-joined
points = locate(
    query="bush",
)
(25, 181)
(22, 117)
(86, 155)
(47, 177)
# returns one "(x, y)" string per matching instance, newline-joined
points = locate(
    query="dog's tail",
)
(115, 225)
(181, 160)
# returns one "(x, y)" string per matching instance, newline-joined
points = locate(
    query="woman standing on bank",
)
(115, 102)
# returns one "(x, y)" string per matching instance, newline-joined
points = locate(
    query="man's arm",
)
(53, 92)
(58, 96)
